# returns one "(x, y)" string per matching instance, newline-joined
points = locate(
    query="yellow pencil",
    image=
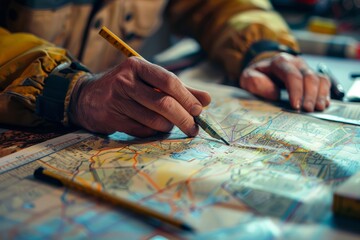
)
(129, 52)
(91, 189)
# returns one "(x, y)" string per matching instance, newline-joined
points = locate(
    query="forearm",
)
(226, 29)
(26, 64)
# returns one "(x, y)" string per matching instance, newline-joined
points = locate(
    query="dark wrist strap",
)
(265, 46)
(50, 105)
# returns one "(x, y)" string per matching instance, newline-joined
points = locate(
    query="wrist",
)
(53, 103)
(73, 109)
(265, 49)
(262, 56)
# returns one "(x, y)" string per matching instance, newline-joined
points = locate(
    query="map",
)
(275, 180)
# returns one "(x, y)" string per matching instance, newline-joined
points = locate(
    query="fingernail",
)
(321, 103)
(328, 99)
(196, 110)
(194, 130)
(308, 106)
(297, 105)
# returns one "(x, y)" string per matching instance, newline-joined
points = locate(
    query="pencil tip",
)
(226, 142)
(187, 228)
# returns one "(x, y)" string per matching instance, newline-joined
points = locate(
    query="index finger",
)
(169, 84)
(291, 76)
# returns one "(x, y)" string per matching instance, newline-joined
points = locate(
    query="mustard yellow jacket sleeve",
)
(227, 28)
(25, 63)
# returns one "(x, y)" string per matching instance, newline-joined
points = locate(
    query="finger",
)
(311, 86)
(323, 99)
(290, 75)
(164, 105)
(142, 115)
(168, 83)
(259, 84)
(202, 96)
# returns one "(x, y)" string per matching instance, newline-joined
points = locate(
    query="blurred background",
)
(322, 28)
(342, 16)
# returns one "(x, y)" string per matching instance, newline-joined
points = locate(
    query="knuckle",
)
(188, 101)
(132, 60)
(249, 82)
(166, 104)
(125, 85)
(325, 80)
(312, 78)
(315, 79)
(185, 122)
(173, 78)
(281, 58)
(172, 83)
(130, 63)
(170, 80)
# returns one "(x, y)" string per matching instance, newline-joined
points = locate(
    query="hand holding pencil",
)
(138, 98)
(129, 52)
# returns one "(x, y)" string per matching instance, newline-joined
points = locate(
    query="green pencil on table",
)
(129, 52)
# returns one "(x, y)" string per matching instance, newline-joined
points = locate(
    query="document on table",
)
(343, 112)
(277, 177)
(353, 94)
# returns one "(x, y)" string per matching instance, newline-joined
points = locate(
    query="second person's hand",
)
(138, 98)
(307, 89)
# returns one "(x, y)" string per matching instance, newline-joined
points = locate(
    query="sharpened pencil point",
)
(209, 129)
(226, 142)
(187, 228)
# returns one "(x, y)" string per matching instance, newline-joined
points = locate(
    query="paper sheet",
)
(275, 180)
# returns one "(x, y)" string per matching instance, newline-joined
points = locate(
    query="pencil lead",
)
(226, 142)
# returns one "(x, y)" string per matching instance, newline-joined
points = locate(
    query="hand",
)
(307, 90)
(138, 98)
